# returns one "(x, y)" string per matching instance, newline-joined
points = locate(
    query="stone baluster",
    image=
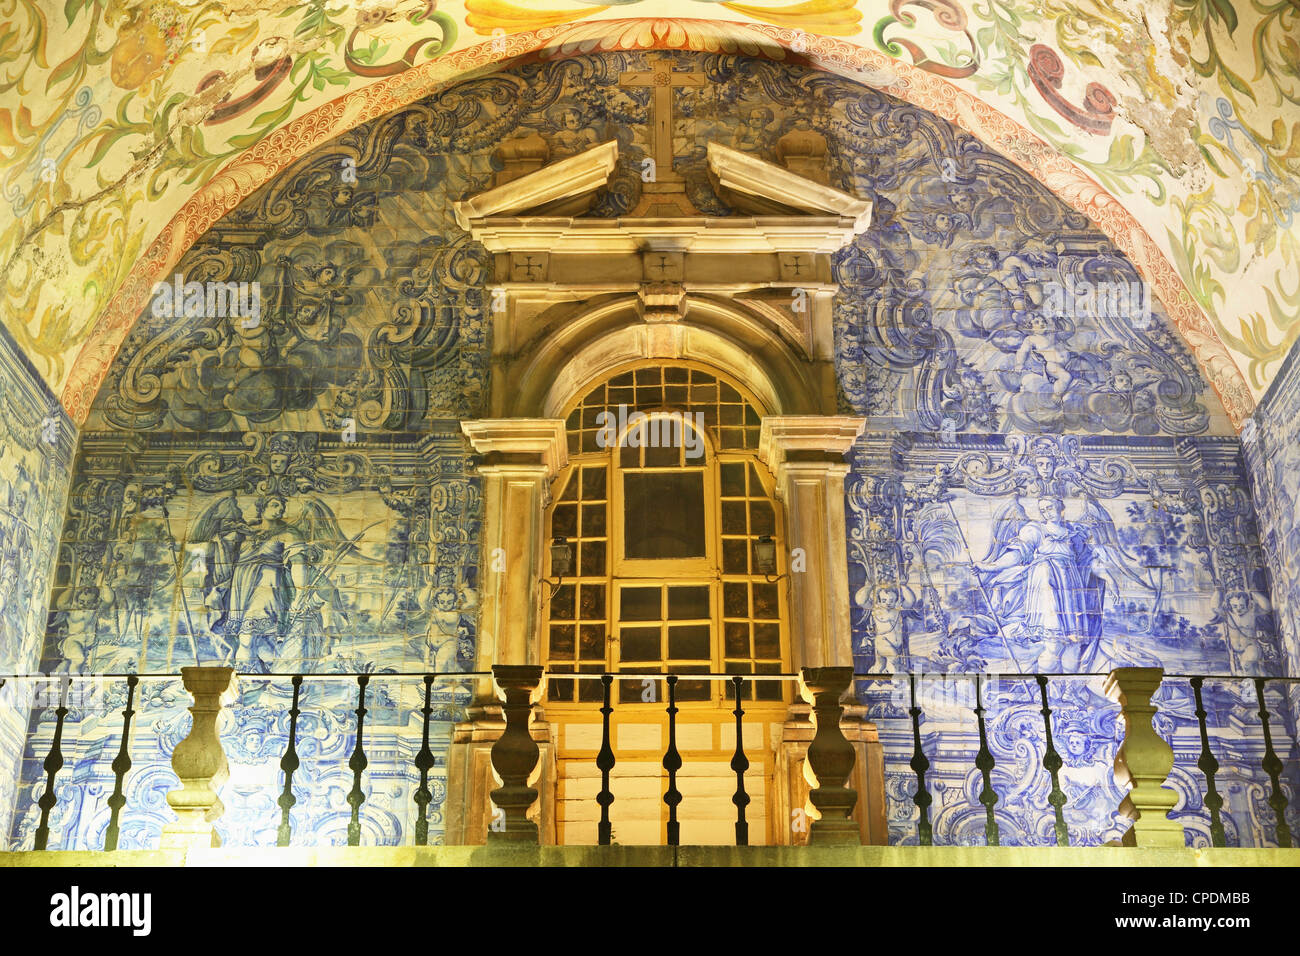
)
(1143, 760)
(514, 754)
(200, 762)
(830, 758)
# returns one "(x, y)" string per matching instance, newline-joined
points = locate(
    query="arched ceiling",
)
(133, 126)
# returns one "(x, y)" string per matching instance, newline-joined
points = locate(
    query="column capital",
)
(541, 440)
(783, 436)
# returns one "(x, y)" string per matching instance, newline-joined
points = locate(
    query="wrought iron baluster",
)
(1273, 767)
(740, 763)
(424, 762)
(672, 763)
(121, 764)
(984, 762)
(1052, 763)
(920, 765)
(605, 763)
(1209, 766)
(53, 764)
(289, 764)
(357, 763)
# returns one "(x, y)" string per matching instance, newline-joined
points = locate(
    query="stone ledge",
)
(863, 856)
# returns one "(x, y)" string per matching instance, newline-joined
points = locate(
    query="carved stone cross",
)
(662, 79)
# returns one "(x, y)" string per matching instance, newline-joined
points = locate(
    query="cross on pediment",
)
(662, 79)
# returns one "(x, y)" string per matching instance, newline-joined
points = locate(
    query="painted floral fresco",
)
(128, 115)
(36, 441)
(292, 494)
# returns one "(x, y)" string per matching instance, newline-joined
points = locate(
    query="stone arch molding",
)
(998, 132)
(731, 339)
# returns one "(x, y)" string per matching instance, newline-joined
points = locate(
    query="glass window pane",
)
(570, 491)
(591, 646)
(735, 555)
(663, 515)
(593, 483)
(562, 638)
(669, 456)
(640, 604)
(767, 641)
(733, 479)
(592, 597)
(675, 374)
(562, 603)
(564, 524)
(733, 517)
(761, 518)
(765, 604)
(593, 557)
(688, 603)
(736, 639)
(735, 600)
(593, 521)
(639, 644)
(689, 642)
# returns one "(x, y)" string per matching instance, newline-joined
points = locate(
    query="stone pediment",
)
(565, 186)
(786, 212)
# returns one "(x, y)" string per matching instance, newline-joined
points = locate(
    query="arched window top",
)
(730, 418)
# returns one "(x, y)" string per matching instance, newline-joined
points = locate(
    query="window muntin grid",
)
(585, 620)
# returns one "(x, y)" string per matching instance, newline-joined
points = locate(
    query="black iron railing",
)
(61, 690)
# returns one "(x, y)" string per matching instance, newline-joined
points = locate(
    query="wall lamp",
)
(765, 559)
(561, 564)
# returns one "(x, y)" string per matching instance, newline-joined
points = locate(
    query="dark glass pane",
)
(562, 638)
(732, 437)
(693, 689)
(593, 557)
(592, 597)
(663, 515)
(564, 523)
(649, 396)
(734, 555)
(560, 690)
(593, 483)
(589, 442)
(639, 644)
(728, 393)
(593, 521)
(629, 457)
(761, 518)
(689, 642)
(746, 693)
(751, 437)
(733, 479)
(639, 692)
(733, 517)
(676, 375)
(591, 646)
(735, 599)
(575, 443)
(624, 379)
(731, 415)
(574, 420)
(770, 689)
(621, 396)
(751, 417)
(650, 375)
(767, 641)
(736, 639)
(640, 604)
(664, 457)
(765, 601)
(590, 690)
(688, 603)
(570, 490)
(562, 603)
(676, 396)
(591, 416)
(702, 394)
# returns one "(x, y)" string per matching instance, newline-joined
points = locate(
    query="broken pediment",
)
(753, 185)
(563, 188)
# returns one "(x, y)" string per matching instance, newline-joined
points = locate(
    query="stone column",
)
(521, 456)
(1143, 760)
(806, 455)
(200, 762)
